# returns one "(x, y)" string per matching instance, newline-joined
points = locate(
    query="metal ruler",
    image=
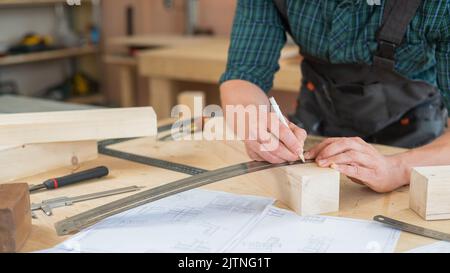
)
(412, 228)
(150, 161)
(48, 205)
(92, 216)
(177, 167)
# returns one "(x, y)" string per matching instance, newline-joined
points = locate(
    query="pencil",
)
(283, 120)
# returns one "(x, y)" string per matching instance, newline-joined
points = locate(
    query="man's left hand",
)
(361, 162)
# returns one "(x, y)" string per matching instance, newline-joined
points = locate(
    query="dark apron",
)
(373, 102)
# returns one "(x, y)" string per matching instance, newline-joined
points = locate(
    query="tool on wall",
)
(85, 219)
(412, 228)
(58, 182)
(48, 205)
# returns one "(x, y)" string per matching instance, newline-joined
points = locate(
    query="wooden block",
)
(429, 193)
(15, 216)
(306, 189)
(27, 128)
(31, 159)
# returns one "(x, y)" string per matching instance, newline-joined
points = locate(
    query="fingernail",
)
(307, 155)
(322, 162)
(334, 166)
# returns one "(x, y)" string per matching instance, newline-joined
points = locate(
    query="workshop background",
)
(103, 52)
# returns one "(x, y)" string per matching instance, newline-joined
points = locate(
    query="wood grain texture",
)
(356, 201)
(15, 216)
(430, 192)
(26, 160)
(26, 128)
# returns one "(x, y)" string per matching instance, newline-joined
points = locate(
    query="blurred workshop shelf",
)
(48, 55)
(95, 99)
(12, 3)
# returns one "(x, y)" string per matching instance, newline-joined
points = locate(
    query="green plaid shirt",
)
(340, 31)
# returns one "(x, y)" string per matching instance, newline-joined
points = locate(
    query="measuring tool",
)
(92, 216)
(48, 205)
(54, 183)
(177, 167)
(412, 228)
(150, 161)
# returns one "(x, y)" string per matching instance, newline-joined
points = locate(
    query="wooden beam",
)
(15, 216)
(27, 160)
(430, 192)
(26, 128)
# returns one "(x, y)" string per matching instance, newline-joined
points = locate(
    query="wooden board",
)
(26, 128)
(430, 192)
(26, 160)
(15, 216)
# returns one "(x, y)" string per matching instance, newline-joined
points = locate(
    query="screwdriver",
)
(54, 183)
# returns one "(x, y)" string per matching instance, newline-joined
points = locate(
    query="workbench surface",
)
(206, 60)
(356, 201)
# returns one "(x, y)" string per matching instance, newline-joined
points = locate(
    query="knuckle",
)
(347, 141)
(352, 154)
(302, 132)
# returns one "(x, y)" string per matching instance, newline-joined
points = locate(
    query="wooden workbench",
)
(356, 201)
(202, 63)
(167, 60)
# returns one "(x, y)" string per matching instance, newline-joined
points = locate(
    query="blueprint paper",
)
(439, 247)
(193, 221)
(280, 230)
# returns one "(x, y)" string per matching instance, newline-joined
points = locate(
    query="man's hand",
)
(259, 140)
(286, 144)
(361, 162)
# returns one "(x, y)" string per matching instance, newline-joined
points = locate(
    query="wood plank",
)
(32, 159)
(430, 192)
(15, 216)
(26, 128)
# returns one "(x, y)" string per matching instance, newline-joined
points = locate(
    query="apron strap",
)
(397, 15)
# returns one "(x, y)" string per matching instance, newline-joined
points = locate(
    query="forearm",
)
(435, 153)
(239, 92)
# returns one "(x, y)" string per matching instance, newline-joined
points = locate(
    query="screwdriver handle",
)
(58, 182)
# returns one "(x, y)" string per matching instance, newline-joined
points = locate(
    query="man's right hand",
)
(270, 140)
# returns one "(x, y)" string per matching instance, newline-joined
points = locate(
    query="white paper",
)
(280, 230)
(193, 221)
(439, 247)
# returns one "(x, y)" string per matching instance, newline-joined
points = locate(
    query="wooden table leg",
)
(127, 86)
(162, 96)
